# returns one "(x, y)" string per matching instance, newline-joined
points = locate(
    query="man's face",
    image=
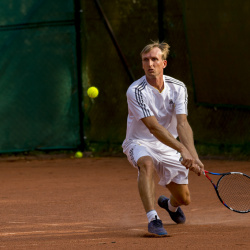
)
(152, 63)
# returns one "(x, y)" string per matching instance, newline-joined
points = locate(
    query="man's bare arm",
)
(163, 135)
(186, 137)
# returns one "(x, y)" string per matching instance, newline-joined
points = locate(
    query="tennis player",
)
(157, 115)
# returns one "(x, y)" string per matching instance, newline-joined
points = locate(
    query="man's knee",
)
(180, 193)
(146, 165)
(182, 200)
(185, 200)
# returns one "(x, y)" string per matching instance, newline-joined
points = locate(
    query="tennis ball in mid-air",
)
(92, 92)
(78, 154)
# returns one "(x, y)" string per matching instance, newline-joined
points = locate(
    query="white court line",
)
(84, 224)
(44, 232)
(54, 233)
(16, 222)
(136, 229)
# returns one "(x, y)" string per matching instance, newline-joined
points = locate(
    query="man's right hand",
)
(196, 169)
(189, 162)
(186, 158)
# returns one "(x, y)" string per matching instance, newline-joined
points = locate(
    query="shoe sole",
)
(152, 235)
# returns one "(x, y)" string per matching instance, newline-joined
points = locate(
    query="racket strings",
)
(234, 190)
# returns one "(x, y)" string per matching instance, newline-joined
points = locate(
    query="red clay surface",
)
(93, 203)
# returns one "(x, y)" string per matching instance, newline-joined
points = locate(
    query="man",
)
(157, 115)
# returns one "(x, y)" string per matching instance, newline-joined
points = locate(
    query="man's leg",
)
(146, 184)
(179, 196)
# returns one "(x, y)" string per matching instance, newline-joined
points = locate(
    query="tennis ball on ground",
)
(78, 154)
(92, 92)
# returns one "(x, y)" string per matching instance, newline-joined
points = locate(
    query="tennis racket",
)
(233, 190)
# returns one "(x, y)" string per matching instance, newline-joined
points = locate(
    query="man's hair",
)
(164, 47)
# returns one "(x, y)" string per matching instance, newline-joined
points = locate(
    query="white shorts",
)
(168, 166)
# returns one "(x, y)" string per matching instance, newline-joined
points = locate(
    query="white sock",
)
(151, 215)
(171, 208)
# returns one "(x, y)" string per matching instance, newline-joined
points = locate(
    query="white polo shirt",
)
(144, 100)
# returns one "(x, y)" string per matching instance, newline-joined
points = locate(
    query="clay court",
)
(93, 203)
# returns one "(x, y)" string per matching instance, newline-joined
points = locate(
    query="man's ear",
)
(165, 63)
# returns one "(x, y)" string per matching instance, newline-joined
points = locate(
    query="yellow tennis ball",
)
(78, 154)
(92, 92)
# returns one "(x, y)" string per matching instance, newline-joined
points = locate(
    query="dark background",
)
(51, 52)
(209, 53)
